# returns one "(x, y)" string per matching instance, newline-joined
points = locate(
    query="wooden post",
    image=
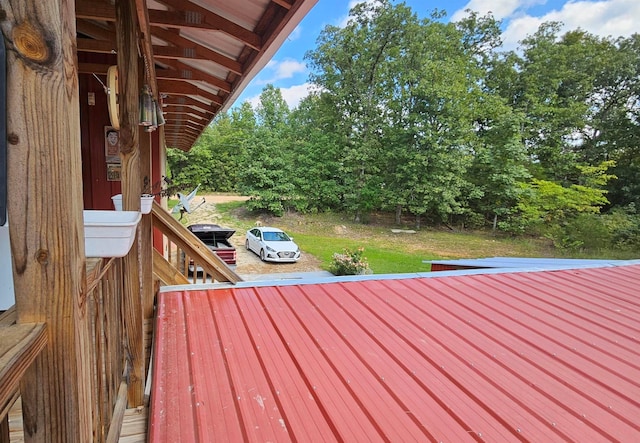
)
(45, 214)
(146, 230)
(129, 90)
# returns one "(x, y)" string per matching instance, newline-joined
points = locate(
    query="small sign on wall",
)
(111, 144)
(113, 172)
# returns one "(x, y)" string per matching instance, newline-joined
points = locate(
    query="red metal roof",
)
(538, 356)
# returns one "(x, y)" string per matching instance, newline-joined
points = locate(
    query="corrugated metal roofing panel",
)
(519, 262)
(540, 356)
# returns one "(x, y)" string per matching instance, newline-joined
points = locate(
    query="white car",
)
(272, 244)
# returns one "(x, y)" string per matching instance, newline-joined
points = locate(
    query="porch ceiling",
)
(204, 52)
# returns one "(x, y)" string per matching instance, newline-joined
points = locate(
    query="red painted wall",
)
(97, 190)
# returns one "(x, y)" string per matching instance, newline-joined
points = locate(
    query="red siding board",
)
(540, 356)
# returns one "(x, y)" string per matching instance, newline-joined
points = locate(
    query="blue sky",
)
(287, 70)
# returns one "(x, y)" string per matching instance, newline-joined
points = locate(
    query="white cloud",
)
(295, 34)
(280, 70)
(603, 18)
(500, 9)
(292, 95)
(611, 18)
(343, 21)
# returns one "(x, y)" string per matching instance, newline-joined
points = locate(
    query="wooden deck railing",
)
(105, 302)
(185, 251)
(20, 345)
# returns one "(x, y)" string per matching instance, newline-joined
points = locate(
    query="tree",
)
(266, 175)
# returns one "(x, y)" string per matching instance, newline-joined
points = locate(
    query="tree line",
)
(433, 120)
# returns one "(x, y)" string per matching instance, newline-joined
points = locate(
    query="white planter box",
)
(146, 202)
(109, 233)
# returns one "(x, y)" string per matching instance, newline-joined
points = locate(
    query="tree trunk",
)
(398, 215)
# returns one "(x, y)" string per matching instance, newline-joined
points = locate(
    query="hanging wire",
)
(106, 89)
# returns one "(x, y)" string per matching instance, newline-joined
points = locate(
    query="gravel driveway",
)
(249, 265)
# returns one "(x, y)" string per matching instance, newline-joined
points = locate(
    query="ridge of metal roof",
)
(500, 356)
(316, 278)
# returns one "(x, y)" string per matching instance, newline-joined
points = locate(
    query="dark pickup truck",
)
(217, 239)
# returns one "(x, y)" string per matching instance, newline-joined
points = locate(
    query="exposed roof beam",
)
(185, 88)
(182, 71)
(187, 15)
(189, 49)
(90, 45)
(93, 68)
(187, 110)
(189, 101)
(284, 3)
(184, 123)
(196, 14)
(93, 30)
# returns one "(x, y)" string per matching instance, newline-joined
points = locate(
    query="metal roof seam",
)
(509, 345)
(571, 364)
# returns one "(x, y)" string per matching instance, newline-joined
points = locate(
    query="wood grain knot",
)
(13, 138)
(30, 43)
(42, 256)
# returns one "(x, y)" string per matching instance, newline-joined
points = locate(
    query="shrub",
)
(349, 263)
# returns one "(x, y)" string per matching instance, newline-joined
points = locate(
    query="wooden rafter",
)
(189, 101)
(185, 48)
(187, 15)
(180, 70)
(187, 110)
(185, 88)
(199, 17)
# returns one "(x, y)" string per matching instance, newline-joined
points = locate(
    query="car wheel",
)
(262, 254)
(246, 245)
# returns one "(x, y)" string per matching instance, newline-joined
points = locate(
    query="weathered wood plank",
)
(20, 345)
(165, 271)
(129, 90)
(134, 426)
(46, 229)
(118, 414)
(192, 246)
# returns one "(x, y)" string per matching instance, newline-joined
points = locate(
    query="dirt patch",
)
(248, 263)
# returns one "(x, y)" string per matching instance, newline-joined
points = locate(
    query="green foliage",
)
(433, 119)
(350, 262)
(544, 204)
(623, 225)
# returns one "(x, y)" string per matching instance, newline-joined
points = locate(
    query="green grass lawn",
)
(322, 235)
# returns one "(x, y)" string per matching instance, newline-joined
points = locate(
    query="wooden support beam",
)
(96, 31)
(45, 209)
(146, 230)
(129, 90)
(99, 46)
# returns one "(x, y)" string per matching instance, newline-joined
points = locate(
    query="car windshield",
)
(276, 236)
